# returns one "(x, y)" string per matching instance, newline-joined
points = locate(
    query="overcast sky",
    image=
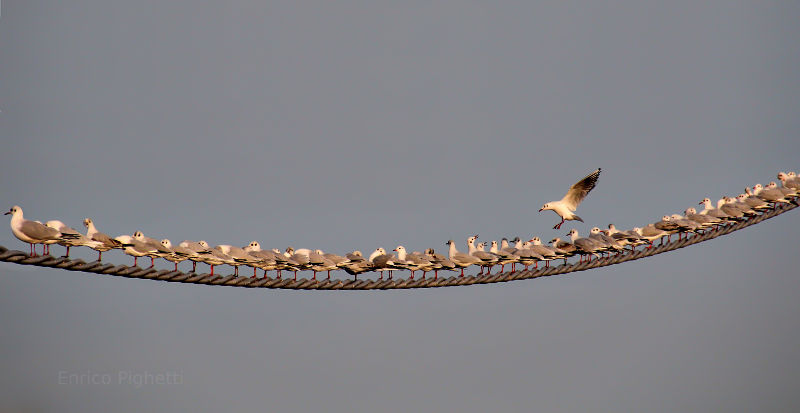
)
(356, 124)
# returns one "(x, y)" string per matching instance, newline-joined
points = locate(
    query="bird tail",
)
(577, 218)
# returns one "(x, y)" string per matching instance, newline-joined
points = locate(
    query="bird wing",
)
(39, 231)
(579, 191)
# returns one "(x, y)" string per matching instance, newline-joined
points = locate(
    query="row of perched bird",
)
(505, 252)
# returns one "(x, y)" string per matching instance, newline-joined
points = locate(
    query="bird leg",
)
(558, 226)
(194, 264)
(412, 275)
(99, 255)
(67, 255)
(462, 273)
(315, 275)
(212, 270)
(176, 266)
(152, 262)
(329, 274)
(254, 272)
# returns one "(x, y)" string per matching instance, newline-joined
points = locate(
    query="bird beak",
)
(700, 203)
(541, 209)
(7, 213)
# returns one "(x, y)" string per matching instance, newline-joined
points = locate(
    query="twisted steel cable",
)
(102, 268)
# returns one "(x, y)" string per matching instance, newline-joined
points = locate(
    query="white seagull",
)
(567, 205)
(32, 232)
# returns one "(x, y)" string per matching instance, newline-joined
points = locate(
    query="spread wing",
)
(579, 191)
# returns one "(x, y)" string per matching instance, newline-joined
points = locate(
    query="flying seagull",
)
(567, 205)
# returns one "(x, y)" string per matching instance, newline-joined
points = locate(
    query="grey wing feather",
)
(39, 231)
(578, 192)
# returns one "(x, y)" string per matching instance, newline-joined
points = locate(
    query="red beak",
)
(541, 209)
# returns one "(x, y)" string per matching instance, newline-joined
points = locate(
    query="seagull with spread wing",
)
(567, 205)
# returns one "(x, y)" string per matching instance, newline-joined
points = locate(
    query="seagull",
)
(31, 232)
(567, 205)
(200, 248)
(70, 237)
(704, 221)
(156, 249)
(488, 260)
(607, 241)
(753, 202)
(506, 254)
(565, 248)
(135, 248)
(547, 253)
(714, 212)
(105, 242)
(381, 261)
(178, 253)
(239, 256)
(460, 259)
(440, 262)
(649, 233)
(413, 261)
(788, 181)
(584, 246)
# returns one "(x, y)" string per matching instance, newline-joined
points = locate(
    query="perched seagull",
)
(31, 232)
(753, 202)
(625, 237)
(381, 261)
(135, 248)
(505, 253)
(714, 212)
(584, 246)
(460, 259)
(769, 194)
(105, 242)
(266, 260)
(609, 242)
(567, 205)
(440, 262)
(487, 259)
(788, 181)
(156, 249)
(200, 248)
(413, 262)
(704, 221)
(547, 253)
(239, 256)
(178, 253)
(70, 237)
(650, 233)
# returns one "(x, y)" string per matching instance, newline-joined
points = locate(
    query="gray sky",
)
(351, 125)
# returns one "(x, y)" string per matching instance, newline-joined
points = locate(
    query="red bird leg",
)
(67, 251)
(99, 255)
(194, 264)
(176, 266)
(152, 262)
(212, 270)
